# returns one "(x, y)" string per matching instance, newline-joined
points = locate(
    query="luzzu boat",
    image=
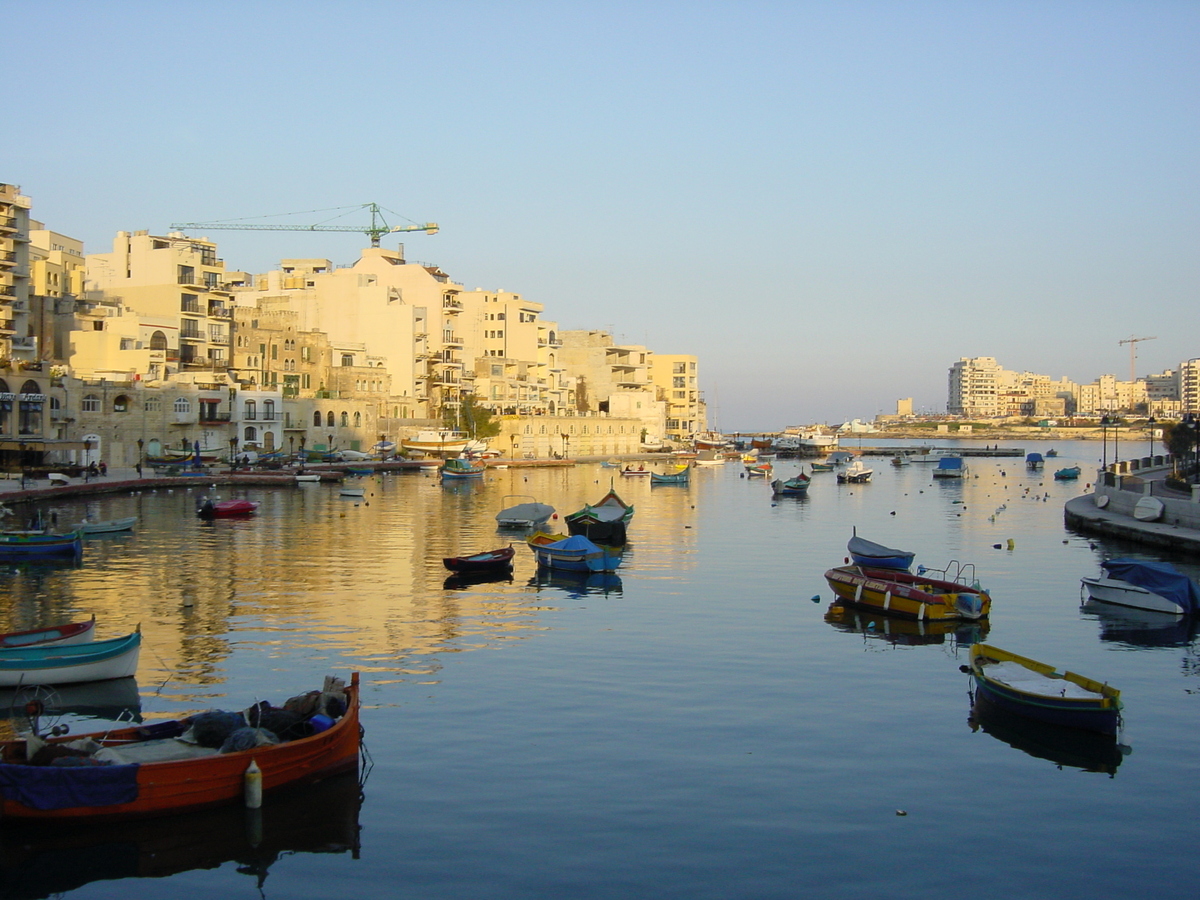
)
(70, 663)
(573, 554)
(35, 545)
(898, 593)
(1034, 689)
(458, 467)
(604, 522)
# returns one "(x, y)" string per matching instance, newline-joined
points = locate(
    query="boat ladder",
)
(959, 573)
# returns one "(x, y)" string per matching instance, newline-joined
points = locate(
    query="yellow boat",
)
(897, 593)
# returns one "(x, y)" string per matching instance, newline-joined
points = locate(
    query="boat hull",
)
(793, 487)
(595, 558)
(110, 527)
(896, 593)
(70, 664)
(73, 633)
(217, 780)
(491, 561)
(1122, 593)
(1101, 712)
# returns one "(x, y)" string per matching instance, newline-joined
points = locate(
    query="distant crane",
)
(1133, 342)
(374, 231)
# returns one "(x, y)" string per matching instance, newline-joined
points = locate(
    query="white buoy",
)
(253, 785)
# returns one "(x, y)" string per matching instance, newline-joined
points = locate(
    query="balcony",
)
(191, 336)
(8, 223)
(7, 290)
(212, 418)
(8, 257)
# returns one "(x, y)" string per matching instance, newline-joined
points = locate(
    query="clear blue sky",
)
(829, 202)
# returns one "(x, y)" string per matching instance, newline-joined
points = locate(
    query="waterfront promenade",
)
(1109, 508)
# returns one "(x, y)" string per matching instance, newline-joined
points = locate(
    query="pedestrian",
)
(103, 468)
(93, 470)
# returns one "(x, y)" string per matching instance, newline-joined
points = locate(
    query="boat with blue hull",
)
(1034, 461)
(869, 553)
(1030, 688)
(605, 522)
(30, 545)
(70, 663)
(573, 554)
(1070, 473)
(792, 487)
(457, 468)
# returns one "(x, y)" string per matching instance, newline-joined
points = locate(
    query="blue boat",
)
(1030, 688)
(868, 553)
(793, 487)
(1070, 473)
(70, 663)
(950, 467)
(1034, 460)
(573, 554)
(680, 476)
(26, 545)
(457, 467)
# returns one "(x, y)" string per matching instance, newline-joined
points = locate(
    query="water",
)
(692, 727)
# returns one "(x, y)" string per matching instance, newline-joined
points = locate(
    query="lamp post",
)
(1104, 422)
(1116, 421)
(1192, 426)
(233, 442)
(21, 463)
(1150, 422)
(87, 460)
(141, 456)
(291, 446)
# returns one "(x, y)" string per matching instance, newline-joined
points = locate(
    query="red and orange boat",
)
(189, 778)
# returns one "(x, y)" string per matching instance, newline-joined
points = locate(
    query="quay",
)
(909, 450)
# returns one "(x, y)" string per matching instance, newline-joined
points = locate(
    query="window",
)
(329, 419)
(249, 410)
(121, 404)
(269, 410)
(358, 420)
(182, 405)
(317, 419)
(153, 404)
(91, 403)
(347, 359)
(345, 419)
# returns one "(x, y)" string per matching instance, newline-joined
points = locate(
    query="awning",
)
(37, 444)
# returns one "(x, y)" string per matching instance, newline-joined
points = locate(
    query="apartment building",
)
(676, 380)
(57, 268)
(976, 386)
(516, 367)
(613, 379)
(162, 309)
(14, 271)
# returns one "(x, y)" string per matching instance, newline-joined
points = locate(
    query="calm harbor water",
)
(698, 726)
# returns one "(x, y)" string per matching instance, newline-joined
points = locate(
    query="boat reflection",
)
(577, 584)
(321, 818)
(461, 580)
(1141, 627)
(905, 631)
(114, 700)
(1074, 748)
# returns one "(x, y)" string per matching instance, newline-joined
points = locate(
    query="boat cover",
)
(1158, 578)
(862, 547)
(1033, 458)
(950, 462)
(526, 512)
(576, 542)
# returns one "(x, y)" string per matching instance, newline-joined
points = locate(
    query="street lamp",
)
(1150, 422)
(1105, 421)
(141, 456)
(1116, 440)
(233, 442)
(87, 460)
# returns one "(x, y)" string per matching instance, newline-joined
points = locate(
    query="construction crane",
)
(374, 231)
(1133, 342)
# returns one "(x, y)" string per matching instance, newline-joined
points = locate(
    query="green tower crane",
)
(374, 231)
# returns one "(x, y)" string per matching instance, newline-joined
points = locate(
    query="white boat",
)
(931, 456)
(855, 473)
(528, 513)
(307, 477)
(71, 663)
(1140, 584)
(710, 458)
(110, 526)
(352, 492)
(950, 467)
(453, 442)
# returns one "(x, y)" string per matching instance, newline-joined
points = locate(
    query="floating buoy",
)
(995, 546)
(901, 812)
(1011, 544)
(253, 785)
(816, 598)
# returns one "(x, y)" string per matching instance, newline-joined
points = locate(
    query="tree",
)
(474, 419)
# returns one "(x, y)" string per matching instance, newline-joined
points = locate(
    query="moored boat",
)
(797, 486)
(70, 663)
(573, 554)
(604, 522)
(70, 633)
(488, 561)
(869, 553)
(855, 473)
(950, 467)
(680, 476)
(711, 457)
(823, 467)
(226, 509)
(898, 593)
(759, 470)
(456, 467)
(153, 772)
(1142, 584)
(1034, 460)
(453, 442)
(1037, 690)
(529, 513)
(110, 526)
(1070, 473)
(37, 545)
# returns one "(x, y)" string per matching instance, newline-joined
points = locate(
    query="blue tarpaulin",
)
(64, 787)
(1158, 578)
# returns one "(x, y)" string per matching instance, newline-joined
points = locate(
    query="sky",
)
(828, 203)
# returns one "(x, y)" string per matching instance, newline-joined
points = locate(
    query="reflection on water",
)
(38, 862)
(876, 626)
(1075, 748)
(576, 584)
(114, 700)
(1141, 627)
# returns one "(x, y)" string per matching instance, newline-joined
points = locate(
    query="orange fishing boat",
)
(150, 770)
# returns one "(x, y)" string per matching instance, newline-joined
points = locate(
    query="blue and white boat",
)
(1142, 584)
(1070, 473)
(17, 545)
(1034, 460)
(950, 467)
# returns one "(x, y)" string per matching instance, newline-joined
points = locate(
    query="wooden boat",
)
(640, 472)
(529, 513)
(1034, 689)
(1063, 746)
(452, 442)
(457, 467)
(488, 561)
(1034, 461)
(70, 663)
(348, 491)
(1051, 453)
(823, 467)
(855, 473)
(307, 478)
(710, 458)
(950, 467)
(226, 509)
(792, 487)
(35, 545)
(1141, 584)
(901, 460)
(1070, 473)
(157, 774)
(611, 464)
(681, 476)
(604, 522)
(71, 633)
(759, 470)
(573, 554)
(868, 553)
(109, 526)
(898, 593)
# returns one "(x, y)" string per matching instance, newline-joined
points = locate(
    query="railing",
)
(8, 222)
(8, 256)
(206, 417)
